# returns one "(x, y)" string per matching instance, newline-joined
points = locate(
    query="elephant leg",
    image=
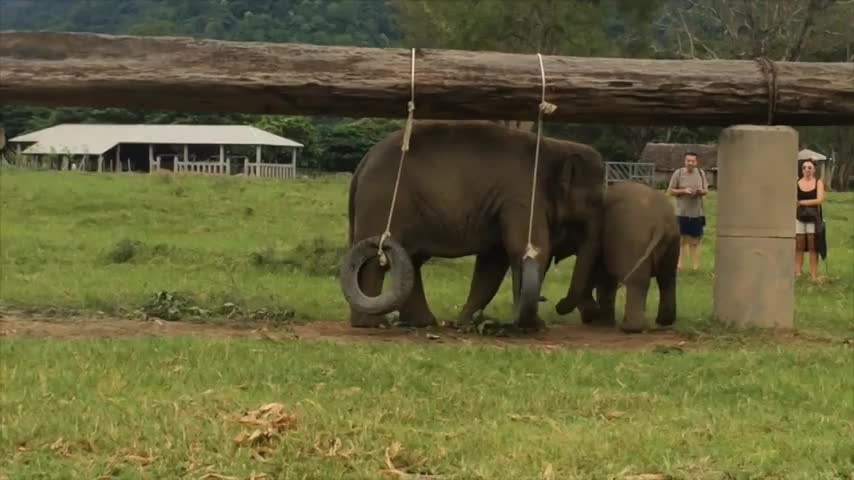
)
(489, 271)
(589, 307)
(666, 301)
(634, 319)
(666, 279)
(371, 280)
(606, 297)
(415, 312)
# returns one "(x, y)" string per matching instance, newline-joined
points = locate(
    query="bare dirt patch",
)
(556, 336)
(27, 325)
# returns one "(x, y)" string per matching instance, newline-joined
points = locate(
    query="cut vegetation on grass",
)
(230, 378)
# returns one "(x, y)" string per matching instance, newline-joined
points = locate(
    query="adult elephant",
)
(465, 189)
(639, 241)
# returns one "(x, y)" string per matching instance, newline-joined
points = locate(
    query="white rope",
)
(547, 108)
(404, 147)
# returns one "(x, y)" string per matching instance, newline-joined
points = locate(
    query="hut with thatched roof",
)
(668, 157)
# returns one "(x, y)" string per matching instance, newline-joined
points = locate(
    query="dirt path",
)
(557, 336)
(572, 336)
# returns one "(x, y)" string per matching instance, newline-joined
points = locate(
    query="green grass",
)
(83, 409)
(111, 242)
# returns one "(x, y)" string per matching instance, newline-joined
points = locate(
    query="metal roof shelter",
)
(98, 140)
(807, 153)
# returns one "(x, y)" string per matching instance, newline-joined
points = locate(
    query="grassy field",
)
(167, 407)
(138, 408)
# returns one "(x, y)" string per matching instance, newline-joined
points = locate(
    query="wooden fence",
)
(210, 168)
(270, 170)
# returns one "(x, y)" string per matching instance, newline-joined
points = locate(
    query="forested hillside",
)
(780, 29)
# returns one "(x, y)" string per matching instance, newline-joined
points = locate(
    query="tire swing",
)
(391, 255)
(529, 288)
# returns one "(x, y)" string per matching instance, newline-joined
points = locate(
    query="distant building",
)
(205, 149)
(668, 157)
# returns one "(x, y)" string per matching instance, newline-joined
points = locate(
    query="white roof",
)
(95, 139)
(807, 153)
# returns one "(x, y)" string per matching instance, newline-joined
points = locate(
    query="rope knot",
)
(531, 251)
(380, 253)
(547, 108)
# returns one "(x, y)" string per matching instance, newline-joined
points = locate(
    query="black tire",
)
(400, 267)
(529, 290)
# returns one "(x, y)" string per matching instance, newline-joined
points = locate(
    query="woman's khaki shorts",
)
(802, 228)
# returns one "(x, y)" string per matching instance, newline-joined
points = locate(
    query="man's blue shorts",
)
(691, 226)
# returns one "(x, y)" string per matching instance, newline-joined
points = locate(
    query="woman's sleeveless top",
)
(808, 194)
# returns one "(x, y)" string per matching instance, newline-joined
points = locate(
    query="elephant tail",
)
(657, 235)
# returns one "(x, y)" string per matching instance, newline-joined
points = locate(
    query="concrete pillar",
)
(754, 256)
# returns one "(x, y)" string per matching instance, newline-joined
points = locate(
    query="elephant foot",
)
(565, 306)
(590, 312)
(533, 325)
(631, 328)
(633, 325)
(421, 320)
(602, 319)
(468, 318)
(360, 320)
(665, 321)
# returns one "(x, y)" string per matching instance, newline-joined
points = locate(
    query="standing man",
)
(688, 185)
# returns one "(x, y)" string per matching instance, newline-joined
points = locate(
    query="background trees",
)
(779, 29)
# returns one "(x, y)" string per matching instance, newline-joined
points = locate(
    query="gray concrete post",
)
(754, 255)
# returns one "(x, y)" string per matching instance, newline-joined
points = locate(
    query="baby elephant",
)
(639, 240)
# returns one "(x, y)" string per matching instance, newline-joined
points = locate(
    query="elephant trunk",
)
(582, 274)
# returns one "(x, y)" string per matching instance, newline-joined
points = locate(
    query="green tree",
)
(604, 28)
(300, 129)
(345, 144)
(782, 30)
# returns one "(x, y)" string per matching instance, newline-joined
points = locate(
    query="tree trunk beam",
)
(184, 74)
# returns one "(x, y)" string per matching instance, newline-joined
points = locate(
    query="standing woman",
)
(810, 198)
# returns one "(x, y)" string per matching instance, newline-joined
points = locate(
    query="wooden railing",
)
(209, 168)
(270, 170)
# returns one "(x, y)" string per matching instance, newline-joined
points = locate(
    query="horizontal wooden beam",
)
(184, 74)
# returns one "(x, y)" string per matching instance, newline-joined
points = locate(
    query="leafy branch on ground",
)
(174, 306)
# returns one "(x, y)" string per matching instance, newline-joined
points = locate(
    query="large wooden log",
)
(154, 73)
